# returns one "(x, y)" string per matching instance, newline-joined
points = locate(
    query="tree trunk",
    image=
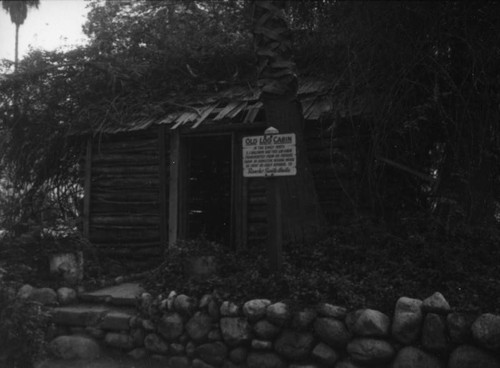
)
(16, 52)
(303, 218)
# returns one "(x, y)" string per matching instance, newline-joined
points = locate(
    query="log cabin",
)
(154, 181)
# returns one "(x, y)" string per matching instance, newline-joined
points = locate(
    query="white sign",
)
(269, 155)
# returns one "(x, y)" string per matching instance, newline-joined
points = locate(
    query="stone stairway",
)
(99, 319)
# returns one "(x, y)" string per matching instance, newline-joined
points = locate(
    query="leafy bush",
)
(23, 325)
(358, 265)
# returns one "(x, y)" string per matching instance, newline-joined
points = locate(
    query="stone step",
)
(99, 316)
(123, 294)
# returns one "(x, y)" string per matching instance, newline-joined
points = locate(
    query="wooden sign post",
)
(271, 156)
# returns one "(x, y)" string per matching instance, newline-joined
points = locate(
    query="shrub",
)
(23, 325)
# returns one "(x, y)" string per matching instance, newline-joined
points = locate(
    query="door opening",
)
(207, 211)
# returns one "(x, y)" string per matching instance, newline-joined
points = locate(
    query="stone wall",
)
(258, 334)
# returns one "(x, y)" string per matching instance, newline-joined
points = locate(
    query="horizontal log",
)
(128, 185)
(257, 238)
(257, 216)
(125, 220)
(151, 150)
(126, 227)
(125, 170)
(130, 190)
(128, 202)
(127, 164)
(150, 133)
(256, 184)
(107, 146)
(128, 159)
(134, 209)
(257, 228)
(126, 178)
(257, 200)
(123, 196)
(153, 252)
(133, 245)
(125, 236)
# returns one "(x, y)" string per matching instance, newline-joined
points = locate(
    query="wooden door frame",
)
(177, 192)
(239, 184)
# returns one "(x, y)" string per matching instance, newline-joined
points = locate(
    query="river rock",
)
(294, 345)
(190, 348)
(213, 309)
(238, 355)
(179, 362)
(411, 357)
(436, 303)
(331, 311)
(265, 360)
(486, 331)
(148, 325)
(434, 333)
(332, 331)
(370, 351)
(66, 295)
(170, 300)
(261, 344)
(199, 326)
(266, 330)
(212, 353)
(138, 335)
(138, 353)
(171, 326)
(44, 296)
(407, 320)
(467, 356)
(347, 363)
(215, 335)
(155, 344)
(325, 354)
(235, 330)
(459, 327)
(25, 291)
(176, 349)
(185, 305)
(119, 340)
(229, 309)
(278, 313)
(255, 309)
(369, 322)
(198, 363)
(303, 319)
(95, 332)
(74, 347)
(205, 300)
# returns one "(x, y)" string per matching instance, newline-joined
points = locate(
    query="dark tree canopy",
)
(415, 86)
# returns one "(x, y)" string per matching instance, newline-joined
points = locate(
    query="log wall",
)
(129, 201)
(334, 170)
(125, 209)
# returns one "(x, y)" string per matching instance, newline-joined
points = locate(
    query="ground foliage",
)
(359, 265)
(23, 328)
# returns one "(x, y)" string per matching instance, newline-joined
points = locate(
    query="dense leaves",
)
(361, 265)
(415, 86)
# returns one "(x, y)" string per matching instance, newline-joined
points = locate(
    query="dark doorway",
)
(208, 188)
